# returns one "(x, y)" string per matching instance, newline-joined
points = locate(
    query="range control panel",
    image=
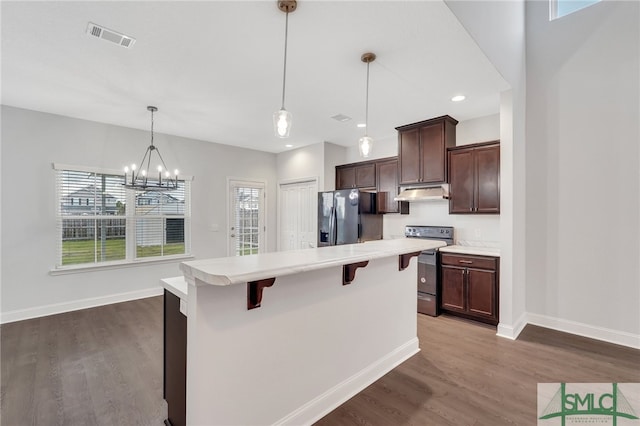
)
(431, 232)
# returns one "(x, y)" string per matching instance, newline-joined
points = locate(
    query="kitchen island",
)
(286, 337)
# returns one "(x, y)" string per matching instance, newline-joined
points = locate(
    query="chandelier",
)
(142, 178)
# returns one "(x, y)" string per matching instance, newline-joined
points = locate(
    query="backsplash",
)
(469, 230)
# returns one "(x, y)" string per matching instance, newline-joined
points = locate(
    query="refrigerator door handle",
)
(332, 225)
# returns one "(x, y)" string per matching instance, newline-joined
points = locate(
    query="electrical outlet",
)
(478, 233)
(214, 227)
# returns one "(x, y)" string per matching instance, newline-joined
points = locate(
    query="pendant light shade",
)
(143, 177)
(282, 118)
(365, 144)
(282, 123)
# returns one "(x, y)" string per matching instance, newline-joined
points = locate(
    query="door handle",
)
(469, 262)
(233, 235)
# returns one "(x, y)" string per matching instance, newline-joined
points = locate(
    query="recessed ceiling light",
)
(458, 98)
(288, 145)
(362, 125)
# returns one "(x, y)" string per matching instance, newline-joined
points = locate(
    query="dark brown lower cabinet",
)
(470, 286)
(175, 360)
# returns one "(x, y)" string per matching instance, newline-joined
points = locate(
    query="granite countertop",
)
(241, 269)
(481, 251)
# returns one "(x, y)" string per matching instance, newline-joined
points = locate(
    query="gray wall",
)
(31, 141)
(583, 181)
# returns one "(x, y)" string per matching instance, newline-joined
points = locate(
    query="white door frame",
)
(279, 210)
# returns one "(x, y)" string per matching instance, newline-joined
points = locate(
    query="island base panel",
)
(175, 360)
(311, 345)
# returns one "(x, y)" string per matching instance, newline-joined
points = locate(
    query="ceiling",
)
(214, 68)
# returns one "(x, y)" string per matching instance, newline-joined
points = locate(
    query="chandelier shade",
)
(142, 177)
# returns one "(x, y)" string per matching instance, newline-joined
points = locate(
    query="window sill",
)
(76, 269)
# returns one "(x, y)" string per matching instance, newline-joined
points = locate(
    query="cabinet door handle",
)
(469, 262)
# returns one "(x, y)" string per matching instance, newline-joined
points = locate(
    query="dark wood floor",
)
(103, 366)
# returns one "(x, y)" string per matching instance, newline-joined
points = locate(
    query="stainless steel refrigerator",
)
(347, 216)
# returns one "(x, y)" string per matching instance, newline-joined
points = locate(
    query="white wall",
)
(304, 162)
(481, 129)
(499, 29)
(382, 148)
(583, 180)
(31, 141)
(333, 156)
(312, 161)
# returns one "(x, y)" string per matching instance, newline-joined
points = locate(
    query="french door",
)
(246, 224)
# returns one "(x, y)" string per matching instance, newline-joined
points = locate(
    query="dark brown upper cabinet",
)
(356, 176)
(379, 175)
(474, 178)
(387, 187)
(422, 150)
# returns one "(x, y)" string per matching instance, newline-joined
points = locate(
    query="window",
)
(246, 217)
(560, 8)
(114, 224)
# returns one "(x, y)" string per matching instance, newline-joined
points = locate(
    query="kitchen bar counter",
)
(331, 321)
(241, 269)
(473, 250)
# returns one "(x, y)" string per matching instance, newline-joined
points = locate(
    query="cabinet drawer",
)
(469, 261)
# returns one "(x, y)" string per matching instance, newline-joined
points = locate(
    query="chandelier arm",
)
(151, 148)
(170, 179)
(146, 153)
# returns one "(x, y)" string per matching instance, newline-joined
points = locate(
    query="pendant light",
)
(282, 117)
(143, 178)
(366, 142)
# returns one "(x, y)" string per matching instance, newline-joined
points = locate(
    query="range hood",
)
(429, 193)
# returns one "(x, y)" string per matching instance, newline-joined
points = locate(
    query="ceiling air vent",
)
(110, 35)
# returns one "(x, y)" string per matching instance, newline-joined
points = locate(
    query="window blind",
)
(160, 222)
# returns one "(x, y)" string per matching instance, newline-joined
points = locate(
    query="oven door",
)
(427, 272)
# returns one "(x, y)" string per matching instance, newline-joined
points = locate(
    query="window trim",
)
(127, 262)
(554, 6)
(118, 264)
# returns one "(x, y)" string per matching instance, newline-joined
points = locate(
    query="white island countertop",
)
(242, 269)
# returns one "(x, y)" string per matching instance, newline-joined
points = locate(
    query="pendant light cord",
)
(366, 107)
(151, 127)
(284, 74)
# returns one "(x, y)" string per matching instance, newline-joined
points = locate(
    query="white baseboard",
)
(512, 331)
(322, 405)
(586, 330)
(59, 308)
